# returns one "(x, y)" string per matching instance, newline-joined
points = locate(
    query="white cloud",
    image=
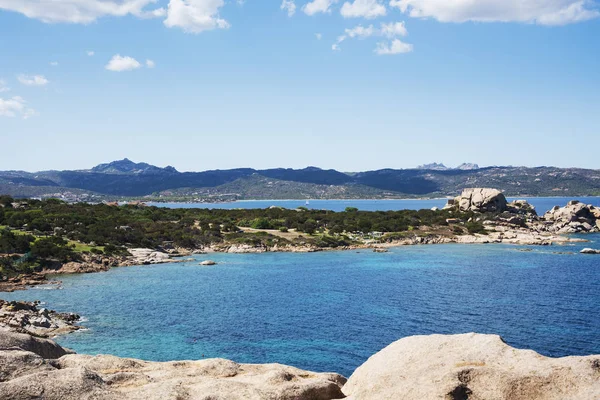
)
(192, 16)
(32, 80)
(318, 36)
(335, 47)
(289, 6)
(318, 6)
(3, 87)
(396, 46)
(363, 9)
(543, 12)
(90, 53)
(15, 106)
(195, 16)
(393, 29)
(119, 64)
(150, 64)
(54, 63)
(360, 31)
(81, 11)
(390, 30)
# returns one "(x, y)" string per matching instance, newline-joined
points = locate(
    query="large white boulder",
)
(481, 200)
(471, 366)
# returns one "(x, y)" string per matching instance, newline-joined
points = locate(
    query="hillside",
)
(128, 179)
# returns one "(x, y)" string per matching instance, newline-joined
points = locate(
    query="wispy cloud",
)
(15, 106)
(289, 6)
(396, 46)
(32, 80)
(391, 30)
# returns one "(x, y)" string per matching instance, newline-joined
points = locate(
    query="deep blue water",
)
(330, 311)
(542, 204)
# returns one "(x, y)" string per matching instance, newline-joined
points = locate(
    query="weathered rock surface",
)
(573, 218)
(25, 374)
(25, 317)
(471, 366)
(21, 282)
(481, 200)
(89, 263)
(149, 256)
(44, 348)
(245, 248)
(446, 367)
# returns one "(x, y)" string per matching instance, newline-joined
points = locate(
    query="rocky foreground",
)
(28, 317)
(457, 367)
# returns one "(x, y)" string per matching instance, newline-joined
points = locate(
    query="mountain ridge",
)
(125, 178)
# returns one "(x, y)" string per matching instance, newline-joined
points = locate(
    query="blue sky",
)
(351, 85)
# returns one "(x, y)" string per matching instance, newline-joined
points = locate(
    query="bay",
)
(330, 311)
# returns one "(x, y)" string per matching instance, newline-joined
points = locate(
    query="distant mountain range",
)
(126, 178)
(442, 167)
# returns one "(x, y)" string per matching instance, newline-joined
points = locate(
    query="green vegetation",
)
(24, 253)
(476, 227)
(39, 234)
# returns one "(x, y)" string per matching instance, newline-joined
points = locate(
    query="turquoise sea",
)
(330, 311)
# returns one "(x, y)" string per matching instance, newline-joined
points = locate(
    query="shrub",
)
(476, 227)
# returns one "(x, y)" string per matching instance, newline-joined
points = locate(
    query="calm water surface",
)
(330, 311)
(542, 204)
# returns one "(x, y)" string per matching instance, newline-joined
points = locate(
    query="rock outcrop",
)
(24, 317)
(21, 282)
(471, 366)
(573, 218)
(590, 251)
(481, 200)
(27, 374)
(44, 348)
(446, 367)
(149, 256)
(89, 263)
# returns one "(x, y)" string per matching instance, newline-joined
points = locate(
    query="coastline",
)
(478, 216)
(100, 264)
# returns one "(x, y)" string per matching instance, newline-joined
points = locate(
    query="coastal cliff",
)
(446, 367)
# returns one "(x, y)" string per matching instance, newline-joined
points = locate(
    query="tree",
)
(52, 248)
(6, 201)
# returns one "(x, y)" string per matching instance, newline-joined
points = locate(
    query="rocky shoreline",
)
(29, 318)
(499, 221)
(450, 367)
